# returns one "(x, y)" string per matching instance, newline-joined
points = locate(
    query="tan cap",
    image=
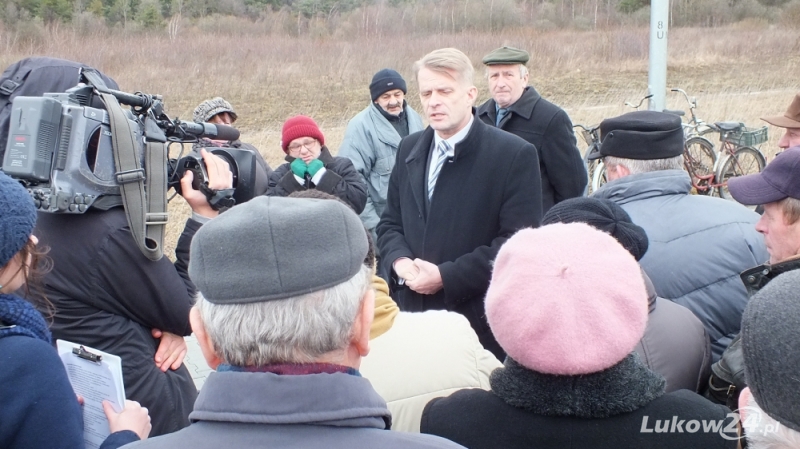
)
(791, 119)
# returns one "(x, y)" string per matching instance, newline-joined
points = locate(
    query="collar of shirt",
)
(453, 140)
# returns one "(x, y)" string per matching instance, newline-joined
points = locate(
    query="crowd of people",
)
(426, 287)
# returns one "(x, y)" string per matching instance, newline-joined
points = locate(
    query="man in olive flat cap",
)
(518, 108)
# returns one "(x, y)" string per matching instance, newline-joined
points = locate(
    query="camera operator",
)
(108, 295)
(220, 112)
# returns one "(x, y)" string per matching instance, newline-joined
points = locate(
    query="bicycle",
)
(699, 154)
(740, 156)
(591, 135)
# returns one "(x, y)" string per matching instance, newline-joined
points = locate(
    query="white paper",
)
(96, 382)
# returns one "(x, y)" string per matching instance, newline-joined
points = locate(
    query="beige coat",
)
(425, 355)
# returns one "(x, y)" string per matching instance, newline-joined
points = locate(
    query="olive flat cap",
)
(506, 55)
(275, 248)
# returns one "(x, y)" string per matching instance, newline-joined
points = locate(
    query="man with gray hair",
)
(285, 324)
(698, 244)
(460, 188)
(518, 108)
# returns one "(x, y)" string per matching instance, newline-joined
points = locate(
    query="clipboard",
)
(96, 376)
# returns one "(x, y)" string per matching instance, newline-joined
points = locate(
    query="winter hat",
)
(17, 217)
(297, 127)
(566, 299)
(384, 81)
(602, 214)
(770, 330)
(209, 108)
(641, 135)
(234, 262)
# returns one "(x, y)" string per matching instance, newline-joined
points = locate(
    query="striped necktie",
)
(441, 155)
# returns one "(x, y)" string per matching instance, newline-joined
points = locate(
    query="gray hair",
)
(301, 329)
(522, 71)
(447, 60)
(764, 432)
(636, 166)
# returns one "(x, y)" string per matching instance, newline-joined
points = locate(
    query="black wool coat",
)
(549, 129)
(622, 407)
(489, 190)
(341, 180)
(478, 419)
(106, 294)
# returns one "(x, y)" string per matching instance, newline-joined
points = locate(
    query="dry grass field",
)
(739, 72)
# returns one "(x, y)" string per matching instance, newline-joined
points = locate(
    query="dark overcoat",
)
(549, 129)
(484, 194)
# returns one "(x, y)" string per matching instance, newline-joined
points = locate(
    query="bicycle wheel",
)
(699, 158)
(599, 176)
(745, 161)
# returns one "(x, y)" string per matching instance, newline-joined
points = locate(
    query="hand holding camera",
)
(220, 177)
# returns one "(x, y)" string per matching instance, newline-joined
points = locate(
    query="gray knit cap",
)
(209, 108)
(770, 334)
(275, 248)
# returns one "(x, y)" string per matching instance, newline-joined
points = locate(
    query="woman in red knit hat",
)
(310, 165)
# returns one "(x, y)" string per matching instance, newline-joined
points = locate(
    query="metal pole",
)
(657, 75)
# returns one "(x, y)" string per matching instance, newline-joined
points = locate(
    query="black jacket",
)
(341, 180)
(675, 344)
(487, 192)
(549, 129)
(621, 407)
(108, 295)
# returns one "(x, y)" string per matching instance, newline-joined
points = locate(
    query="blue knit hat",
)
(17, 217)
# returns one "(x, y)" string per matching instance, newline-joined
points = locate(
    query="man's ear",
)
(206, 345)
(363, 323)
(472, 93)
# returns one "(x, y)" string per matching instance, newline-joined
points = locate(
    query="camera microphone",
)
(210, 130)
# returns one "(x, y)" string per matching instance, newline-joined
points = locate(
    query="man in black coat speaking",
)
(459, 189)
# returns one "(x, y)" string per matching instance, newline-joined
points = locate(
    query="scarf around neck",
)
(627, 386)
(19, 317)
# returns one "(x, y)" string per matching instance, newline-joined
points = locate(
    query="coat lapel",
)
(415, 164)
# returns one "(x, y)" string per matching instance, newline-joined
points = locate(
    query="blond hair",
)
(449, 61)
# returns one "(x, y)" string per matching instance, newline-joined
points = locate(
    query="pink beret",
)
(566, 299)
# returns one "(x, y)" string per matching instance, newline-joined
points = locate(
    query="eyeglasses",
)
(296, 147)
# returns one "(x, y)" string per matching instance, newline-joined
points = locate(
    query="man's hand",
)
(405, 268)
(133, 417)
(171, 350)
(428, 279)
(219, 177)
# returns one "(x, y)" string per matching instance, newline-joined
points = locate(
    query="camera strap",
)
(146, 214)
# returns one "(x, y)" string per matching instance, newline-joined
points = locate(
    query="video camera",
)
(62, 149)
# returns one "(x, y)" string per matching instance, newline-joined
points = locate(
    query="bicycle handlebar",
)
(647, 97)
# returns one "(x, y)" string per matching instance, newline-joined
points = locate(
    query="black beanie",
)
(604, 215)
(384, 81)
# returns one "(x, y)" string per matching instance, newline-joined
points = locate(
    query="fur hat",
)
(384, 81)
(299, 246)
(770, 330)
(17, 217)
(297, 127)
(206, 110)
(602, 214)
(566, 299)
